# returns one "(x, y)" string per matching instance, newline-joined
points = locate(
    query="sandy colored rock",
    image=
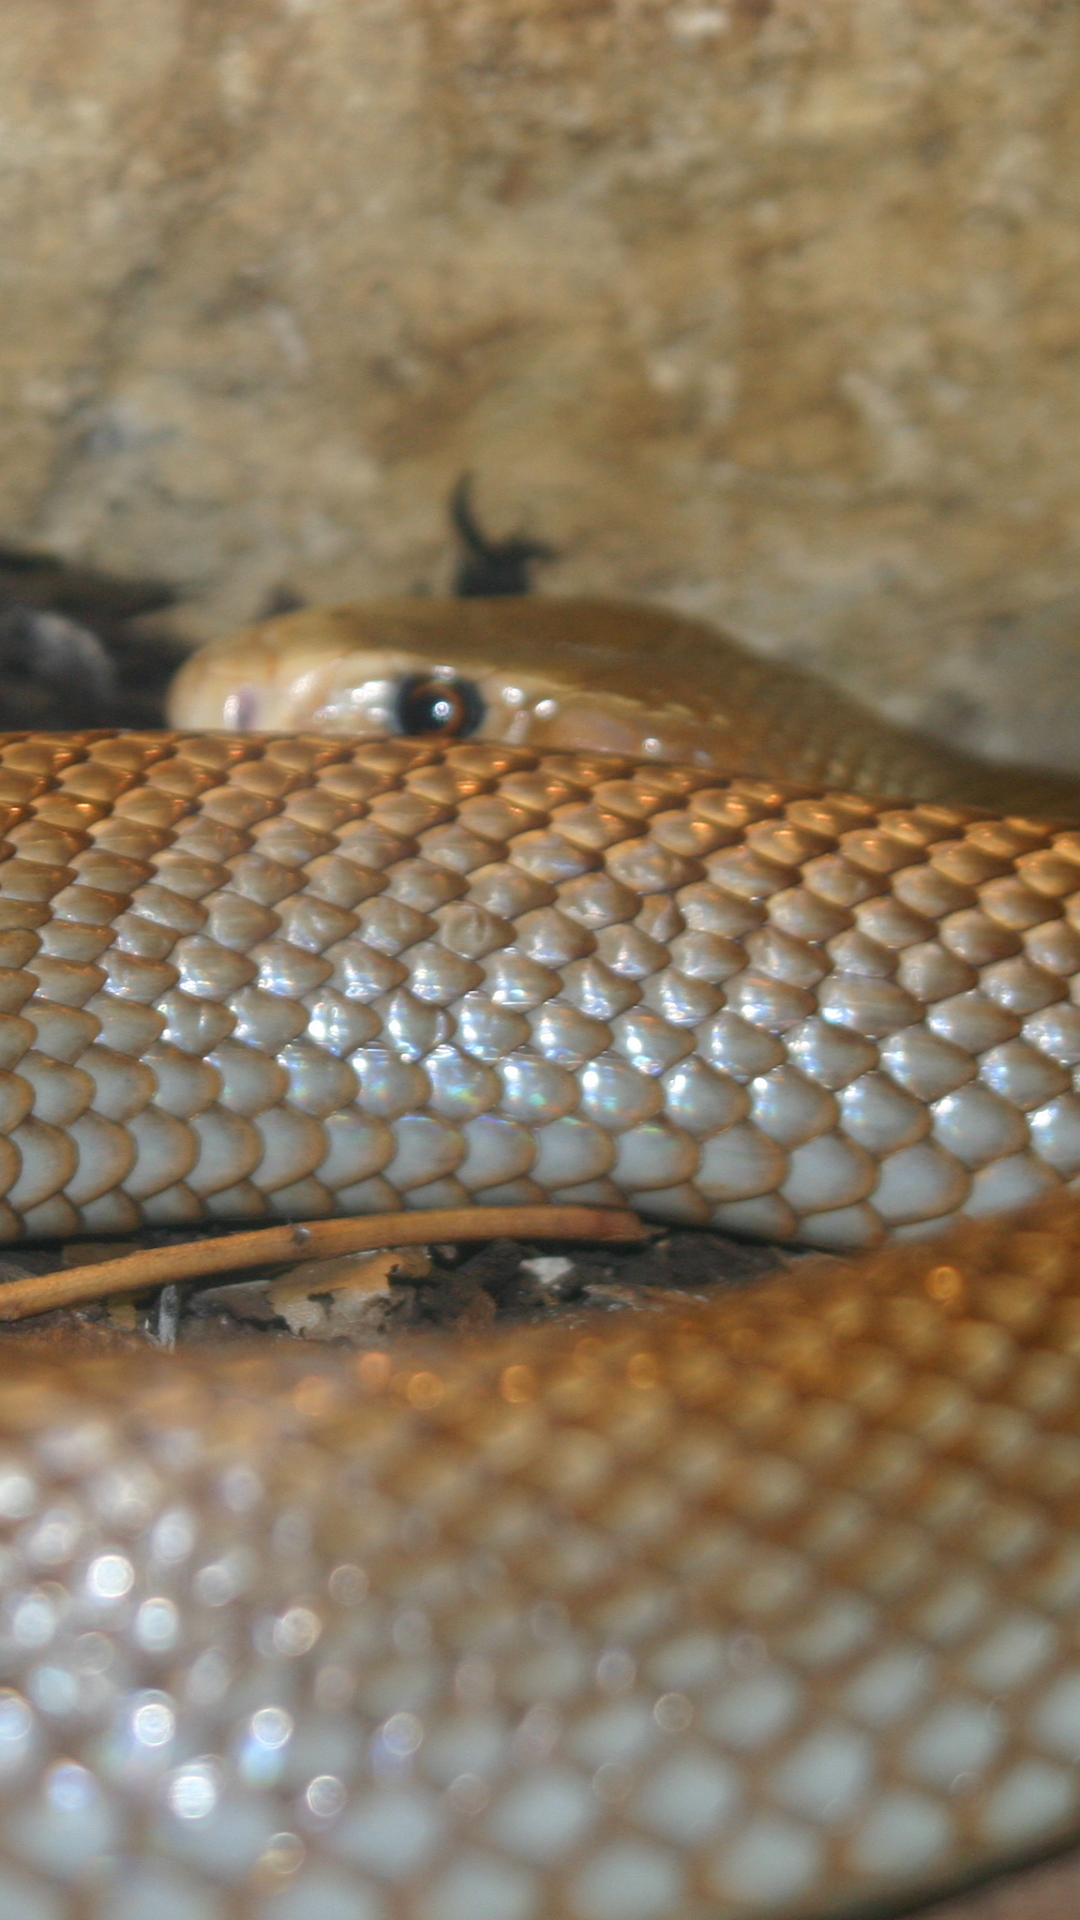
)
(765, 311)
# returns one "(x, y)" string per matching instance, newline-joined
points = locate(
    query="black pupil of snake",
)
(427, 703)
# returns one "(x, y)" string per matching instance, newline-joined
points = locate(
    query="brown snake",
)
(766, 1606)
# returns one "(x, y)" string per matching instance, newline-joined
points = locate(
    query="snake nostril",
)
(241, 709)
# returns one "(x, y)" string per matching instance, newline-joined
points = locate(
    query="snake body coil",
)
(767, 1607)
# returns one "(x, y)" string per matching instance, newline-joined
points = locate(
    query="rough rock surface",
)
(765, 309)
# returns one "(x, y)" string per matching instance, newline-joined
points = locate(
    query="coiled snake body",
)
(765, 1607)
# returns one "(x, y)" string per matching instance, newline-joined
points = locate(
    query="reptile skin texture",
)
(769, 1606)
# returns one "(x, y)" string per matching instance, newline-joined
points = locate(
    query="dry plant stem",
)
(159, 1266)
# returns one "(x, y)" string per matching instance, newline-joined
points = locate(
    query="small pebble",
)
(547, 1269)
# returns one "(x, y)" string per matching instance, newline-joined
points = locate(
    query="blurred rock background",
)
(767, 310)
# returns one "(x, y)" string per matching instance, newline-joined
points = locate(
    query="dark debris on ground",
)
(464, 1290)
(80, 648)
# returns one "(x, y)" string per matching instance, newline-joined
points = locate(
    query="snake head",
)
(548, 674)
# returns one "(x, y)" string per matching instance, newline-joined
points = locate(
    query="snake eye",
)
(429, 704)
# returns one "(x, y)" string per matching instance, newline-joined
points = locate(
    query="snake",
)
(763, 1602)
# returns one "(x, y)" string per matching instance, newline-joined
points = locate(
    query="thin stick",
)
(273, 1246)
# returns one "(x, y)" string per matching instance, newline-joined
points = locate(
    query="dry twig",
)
(274, 1246)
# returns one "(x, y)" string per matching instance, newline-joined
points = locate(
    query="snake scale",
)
(767, 1605)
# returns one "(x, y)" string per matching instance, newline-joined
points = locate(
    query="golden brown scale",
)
(766, 1607)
